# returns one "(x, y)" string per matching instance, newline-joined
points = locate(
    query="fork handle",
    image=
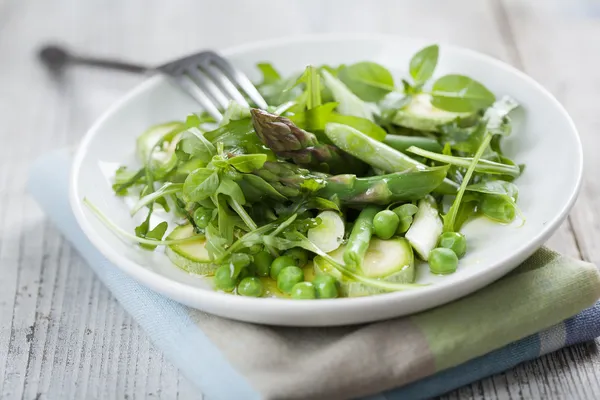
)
(57, 58)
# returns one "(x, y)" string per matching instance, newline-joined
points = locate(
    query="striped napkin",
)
(545, 304)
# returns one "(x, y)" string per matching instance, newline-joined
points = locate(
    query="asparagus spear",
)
(302, 147)
(377, 154)
(412, 184)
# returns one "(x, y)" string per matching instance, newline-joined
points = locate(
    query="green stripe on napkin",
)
(544, 290)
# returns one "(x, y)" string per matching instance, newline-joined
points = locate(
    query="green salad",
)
(335, 190)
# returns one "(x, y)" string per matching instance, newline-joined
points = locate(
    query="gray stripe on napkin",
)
(321, 363)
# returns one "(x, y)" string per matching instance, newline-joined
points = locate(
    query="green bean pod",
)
(402, 142)
(358, 243)
(377, 154)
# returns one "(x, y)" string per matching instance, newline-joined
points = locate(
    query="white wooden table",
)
(63, 336)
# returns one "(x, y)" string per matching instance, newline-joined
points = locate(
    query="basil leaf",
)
(200, 184)
(459, 93)
(423, 64)
(368, 80)
(269, 73)
(193, 144)
(231, 189)
(248, 162)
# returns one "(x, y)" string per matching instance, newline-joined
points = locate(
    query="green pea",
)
(303, 290)
(280, 263)
(325, 286)
(405, 213)
(442, 261)
(262, 263)
(299, 255)
(454, 241)
(224, 278)
(385, 224)
(247, 271)
(288, 277)
(202, 217)
(251, 287)
(498, 209)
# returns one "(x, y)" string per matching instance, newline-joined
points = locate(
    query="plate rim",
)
(445, 291)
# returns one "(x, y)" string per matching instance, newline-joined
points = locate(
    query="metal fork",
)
(209, 78)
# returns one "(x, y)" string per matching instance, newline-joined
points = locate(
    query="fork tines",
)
(213, 82)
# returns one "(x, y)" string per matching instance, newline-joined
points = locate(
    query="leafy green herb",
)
(200, 184)
(124, 180)
(193, 144)
(248, 162)
(367, 80)
(459, 93)
(423, 64)
(269, 73)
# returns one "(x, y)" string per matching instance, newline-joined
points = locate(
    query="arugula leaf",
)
(459, 93)
(197, 119)
(215, 244)
(193, 144)
(125, 234)
(156, 233)
(225, 221)
(166, 189)
(368, 80)
(125, 179)
(248, 162)
(269, 73)
(348, 102)
(315, 118)
(234, 112)
(200, 184)
(229, 188)
(506, 190)
(423, 64)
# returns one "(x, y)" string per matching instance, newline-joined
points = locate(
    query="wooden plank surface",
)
(62, 335)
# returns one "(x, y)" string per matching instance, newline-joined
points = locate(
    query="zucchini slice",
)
(390, 260)
(421, 115)
(191, 256)
(147, 140)
(329, 234)
(426, 228)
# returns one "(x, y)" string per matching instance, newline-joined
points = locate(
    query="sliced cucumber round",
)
(190, 256)
(421, 115)
(329, 234)
(390, 260)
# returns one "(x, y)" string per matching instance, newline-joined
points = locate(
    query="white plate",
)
(544, 138)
